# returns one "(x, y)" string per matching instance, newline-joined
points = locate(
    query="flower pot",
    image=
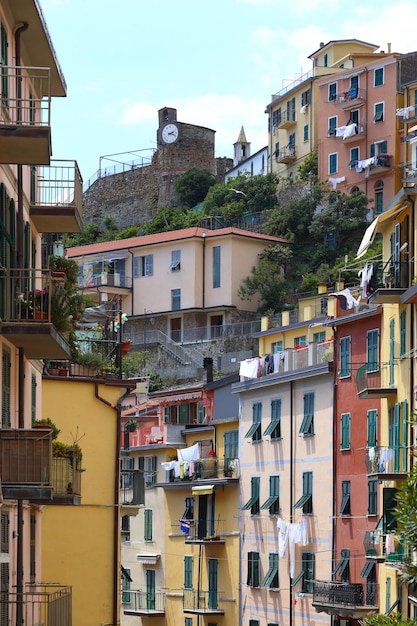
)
(64, 371)
(125, 346)
(40, 315)
(53, 371)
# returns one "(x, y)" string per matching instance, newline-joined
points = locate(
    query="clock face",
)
(169, 133)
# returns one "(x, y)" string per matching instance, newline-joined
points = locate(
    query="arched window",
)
(354, 190)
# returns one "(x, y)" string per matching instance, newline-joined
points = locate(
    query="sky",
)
(218, 63)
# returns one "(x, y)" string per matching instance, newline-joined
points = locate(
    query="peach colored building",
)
(359, 130)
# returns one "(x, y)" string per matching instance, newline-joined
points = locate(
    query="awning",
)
(183, 397)
(395, 207)
(148, 559)
(204, 490)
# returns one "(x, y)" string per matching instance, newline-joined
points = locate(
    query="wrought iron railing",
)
(197, 600)
(44, 603)
(338, 593)
(386, 459)
(375, 376)
(143, 601)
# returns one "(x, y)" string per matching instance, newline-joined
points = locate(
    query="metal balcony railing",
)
(143, 602)
(391, 274)
(203, 469)
(202, 601)
(104, 279)
(25, 457)
(206, 531)
(335, 594)
(285, 155)
(377, 379)
(66, 475)
(350, 98)
(25, 96)
(387, 459)
(46, 604)
(25, 295)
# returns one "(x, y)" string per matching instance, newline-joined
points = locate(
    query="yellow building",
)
(80, 531)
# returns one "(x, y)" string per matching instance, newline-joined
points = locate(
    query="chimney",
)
(389, 48)
(321, 44)
(208, 370)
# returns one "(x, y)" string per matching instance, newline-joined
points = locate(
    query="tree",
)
(268, 280)
(406, 514)
(192, 187)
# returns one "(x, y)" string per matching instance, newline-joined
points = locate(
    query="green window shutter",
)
(141, 463)
(5, 389)
(33, 397)
(344, 357)
(403, 332)
(272, 503)
(372, 428)
(150, 589)
(271, 578)
(188, 572)
(345, 443)
(345, 503)
(255, 431)
(126, 580)
(307, 425)
(384, 147)
(26, 254)
(231, 446)
(216, 266)
(372, 497)
(372, 149)
(305, 131)
(405, 435)
(148, 524)
(308, 568)
(372, 342)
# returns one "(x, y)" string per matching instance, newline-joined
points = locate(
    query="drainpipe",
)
(292, 471)
(204, 272)
(116, 531)
(133, 283)
(21, 371)
(412, 323)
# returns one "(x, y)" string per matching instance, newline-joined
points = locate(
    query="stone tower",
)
(241, 148)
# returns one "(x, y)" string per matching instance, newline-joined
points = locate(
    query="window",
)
(273, 501)
(253, 622)
(372, 350)
(319, 337)
(277, 346)
(33, 397)
(4, 62)
(379, 148)
(403, 332)
(378, 76)
(271, 579)
(143, 266)
(345, 503)
(150, 471)
(216, 267)
(188, 621)
(277, 149)
(379, 112)
(175, 299)
(188, 572)
(306, 97)
(253, 569)
(291, 110)
(344, 357)
(345, 431)
(231, 445)
(372, 417)
(306, 501)
(307, 425)
(305, 132)
(332, 125)
(255, 431)
(300, 341)
(274, 118)
(253, 503)
(175, 265)
(342, 567)
(372, 496)
(189, 509)
(325, 60)
(332, 92)
(274, 427)
(307, 573)
(126, 580)
(147, 535)
(126, 527)
(150, 589)
(379, 197)
(353, 157)
(333, 163)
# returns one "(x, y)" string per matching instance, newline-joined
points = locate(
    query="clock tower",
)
(181, 146)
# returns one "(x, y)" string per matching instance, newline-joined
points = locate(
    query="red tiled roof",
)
(165, 237)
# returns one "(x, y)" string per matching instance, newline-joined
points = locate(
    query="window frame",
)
(379, 110)
(306, 501)
(273, 430)
(333, 164)
(345, 426)
(345, 356)
(332, 92)
(379, 76)
(345, 500)
(175, 265)
(372, 350)
(255, 431)
(175, 299)
(254, 568)
(372, 428)
(307, 424)
(372, 496)
(272, 503)
(271, 578)
(331, 125)
(253, 504)
(188, 572)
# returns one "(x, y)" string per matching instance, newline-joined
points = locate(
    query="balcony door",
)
(175, 328)
(150, 589)
(213, 584)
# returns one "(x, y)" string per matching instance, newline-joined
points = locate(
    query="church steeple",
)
(241, 148)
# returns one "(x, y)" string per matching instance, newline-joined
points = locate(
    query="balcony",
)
(115, 283)
(57, 203)
(209, 532)
(349, 133)
(66, 479)
(410, 173)
(376, 380)
(288, 119)
(389, 282)
(132, 491)
(202, 602)
(26, 464)
(25, 132)
(286, 155)
(202, 470)
(27, 314)
(381, 165)
(387, 463)
(350, 99)
(45, 603)
(348, 600)
(145, 603)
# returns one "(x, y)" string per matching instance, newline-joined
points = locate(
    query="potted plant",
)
(89, 363)
(47, 423)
